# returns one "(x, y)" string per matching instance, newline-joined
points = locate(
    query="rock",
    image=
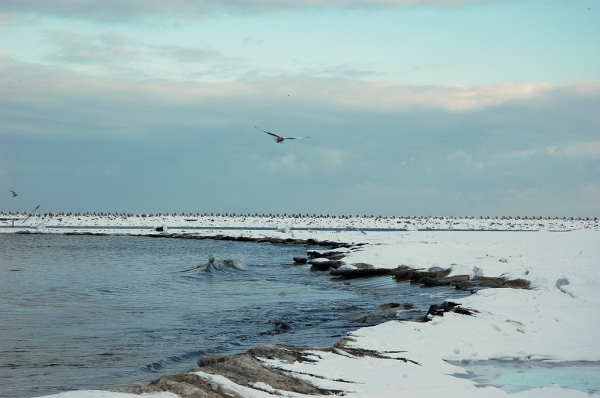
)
(481, 282)
(323, 264)
(403, 273)
(282, 325)
(365, 317)
(208, 360)
(446, 306)
(437, 276)
(332, 255)
(450, 281)
(282, 353)
(382, 312)
(418, 275)
(393, 307)
(300, 260)
(244, 369)
(360, 273)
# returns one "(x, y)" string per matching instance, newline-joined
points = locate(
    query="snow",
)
(554, 322)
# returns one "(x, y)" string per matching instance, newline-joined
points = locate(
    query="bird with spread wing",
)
(279, 139)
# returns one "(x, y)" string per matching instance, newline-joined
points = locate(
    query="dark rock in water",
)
(244, 239)
(359, 273)
(300, 260)
(450, 281)
(418, 275)
(319, 267)
(382, 312)
(323, 264)
(403, 273)
(208, 360)
(394, 307)
(366, 317)
(332, 255)
(161, 235)
(282, 325)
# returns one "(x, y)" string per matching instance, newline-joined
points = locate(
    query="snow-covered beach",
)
(554, 323)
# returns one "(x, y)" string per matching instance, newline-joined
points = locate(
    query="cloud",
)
(79, 48)
(375, 147)
(119, 10)
(115, 54)
(342, 70)
(34, 97)
(194, 54)
(585, 149)
(388, 95)
(309, 161)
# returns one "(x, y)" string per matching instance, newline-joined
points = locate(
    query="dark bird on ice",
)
(279, 139)
(13, 193)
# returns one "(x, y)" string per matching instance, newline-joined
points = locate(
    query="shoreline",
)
(553, 322)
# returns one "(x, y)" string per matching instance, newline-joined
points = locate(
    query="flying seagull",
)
(279, 139)
(13, 193)
(30, 214)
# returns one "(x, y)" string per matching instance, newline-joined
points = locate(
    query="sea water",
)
(107, 312)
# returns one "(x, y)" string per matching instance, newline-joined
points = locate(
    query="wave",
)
(218, 265)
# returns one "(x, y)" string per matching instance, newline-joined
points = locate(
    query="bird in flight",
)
(30, 214)
(13, 193)
(279, 139)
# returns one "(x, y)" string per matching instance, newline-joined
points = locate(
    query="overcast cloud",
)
(119, 10)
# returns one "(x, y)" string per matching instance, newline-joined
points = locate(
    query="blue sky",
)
(413, 107)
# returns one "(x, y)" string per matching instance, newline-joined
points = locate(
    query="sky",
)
(413, 107)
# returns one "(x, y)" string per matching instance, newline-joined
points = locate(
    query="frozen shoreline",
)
(555, 322)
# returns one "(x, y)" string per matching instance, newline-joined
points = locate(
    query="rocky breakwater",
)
(333, 260)
(437, 276)
(325, 260)
(434, 276)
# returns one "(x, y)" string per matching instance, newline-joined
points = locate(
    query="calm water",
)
(105, 312)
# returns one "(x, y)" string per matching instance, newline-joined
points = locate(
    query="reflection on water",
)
(515, 376)
(105, 312)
